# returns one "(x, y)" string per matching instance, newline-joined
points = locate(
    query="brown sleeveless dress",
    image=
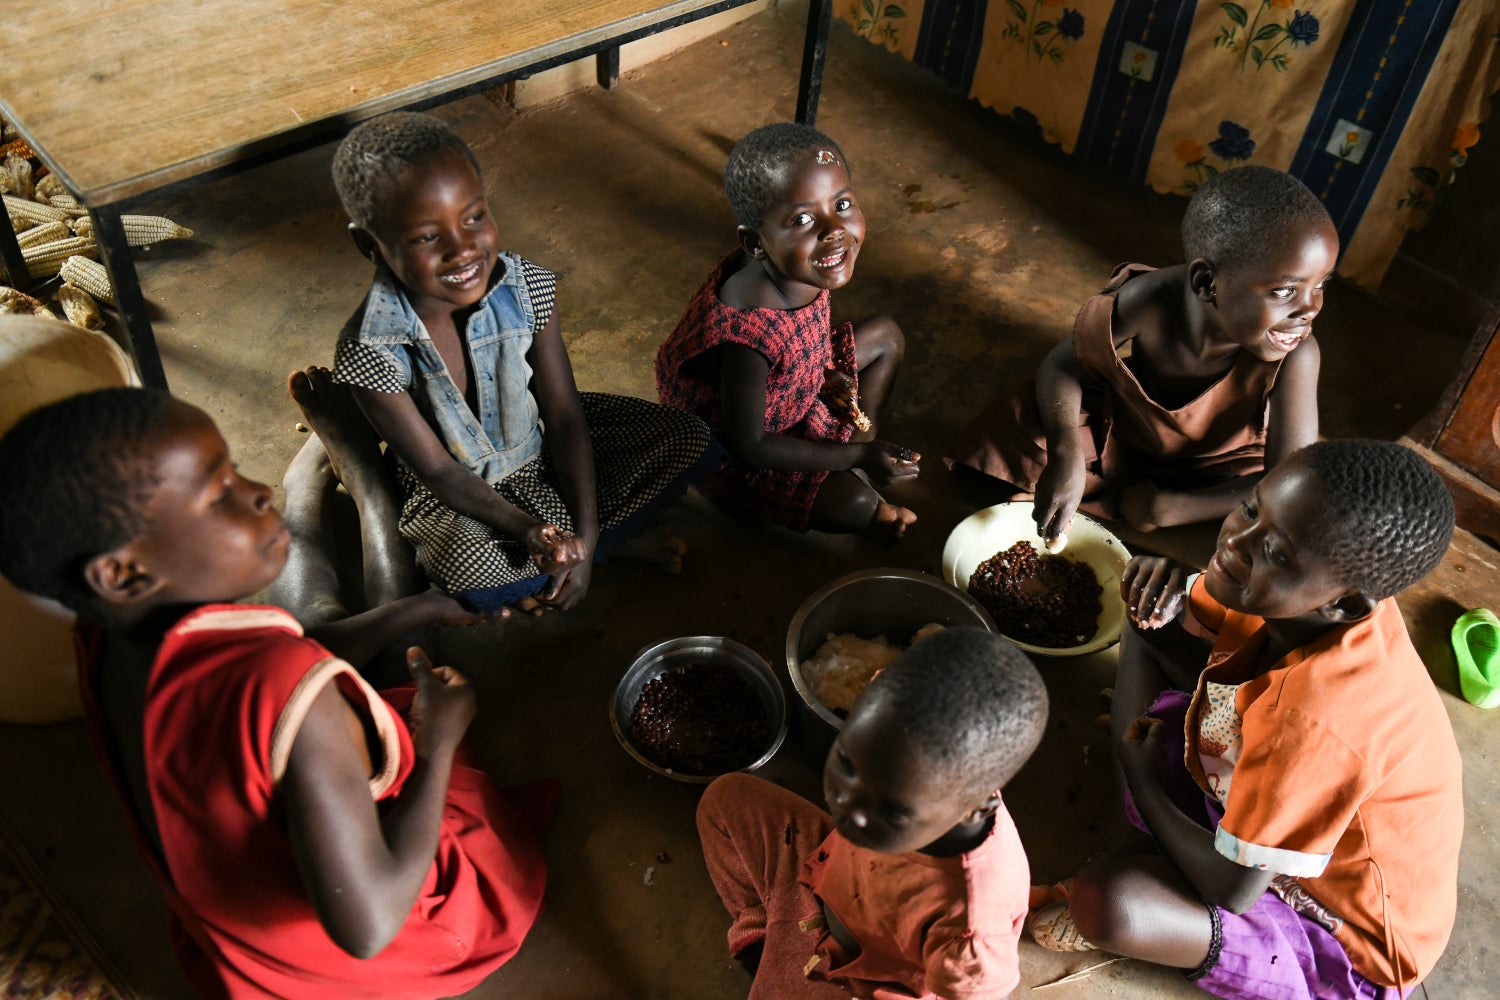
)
(1219, 435)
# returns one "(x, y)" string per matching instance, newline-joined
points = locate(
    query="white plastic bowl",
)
(995, 529)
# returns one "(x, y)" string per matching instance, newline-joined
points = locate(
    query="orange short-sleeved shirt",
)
(946, 927)
(1345, 776)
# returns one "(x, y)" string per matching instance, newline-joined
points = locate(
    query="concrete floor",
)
(981, 244)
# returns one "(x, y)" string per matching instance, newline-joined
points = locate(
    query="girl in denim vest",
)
(512, 480)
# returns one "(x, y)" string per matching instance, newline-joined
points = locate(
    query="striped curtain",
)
(1374, 104)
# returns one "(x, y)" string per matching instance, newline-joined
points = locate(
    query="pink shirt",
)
(937, 927)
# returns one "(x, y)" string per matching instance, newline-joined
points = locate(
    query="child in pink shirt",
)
(916, 884)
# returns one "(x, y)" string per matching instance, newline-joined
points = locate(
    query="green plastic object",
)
(1476, 642)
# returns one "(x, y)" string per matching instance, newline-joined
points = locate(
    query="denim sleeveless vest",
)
(506, 432)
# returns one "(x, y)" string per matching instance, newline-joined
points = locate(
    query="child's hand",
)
(1142, 749)
(1058, 492)
(889, 463)
(1154, 590)
(838, 390)
(840, 394)
(564, 590)
(555, 550)
(443, 707)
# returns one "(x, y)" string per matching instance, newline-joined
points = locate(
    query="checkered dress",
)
(799, 344)
(642, 450)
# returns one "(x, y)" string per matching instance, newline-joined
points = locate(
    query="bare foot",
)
(658, 546)
(531, 606)
(889, 522)
(330, 410)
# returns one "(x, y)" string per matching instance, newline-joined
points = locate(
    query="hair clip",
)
(824, 156)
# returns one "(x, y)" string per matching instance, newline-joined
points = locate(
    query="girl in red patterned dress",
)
(757, 358)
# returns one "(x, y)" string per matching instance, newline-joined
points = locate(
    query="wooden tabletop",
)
(124, 97)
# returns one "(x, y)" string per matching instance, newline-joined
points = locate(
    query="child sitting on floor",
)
(916, 885)
(1179, 386)
(792, 397)
(310, 842)
(513, 481)
(1328, 867)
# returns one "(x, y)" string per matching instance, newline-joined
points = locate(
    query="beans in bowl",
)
(700, 719)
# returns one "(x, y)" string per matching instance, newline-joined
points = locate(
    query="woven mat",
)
(45, 952)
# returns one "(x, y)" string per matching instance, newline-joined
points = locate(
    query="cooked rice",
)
(845, 664)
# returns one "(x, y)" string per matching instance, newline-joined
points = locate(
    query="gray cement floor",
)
(981, 244)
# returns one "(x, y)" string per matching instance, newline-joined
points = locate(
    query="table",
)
(131, 99)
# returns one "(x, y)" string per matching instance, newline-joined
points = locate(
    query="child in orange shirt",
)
(1178, 386)
(916, 885)
(1310, 848)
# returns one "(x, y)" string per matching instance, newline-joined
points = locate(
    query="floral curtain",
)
(1374, 104)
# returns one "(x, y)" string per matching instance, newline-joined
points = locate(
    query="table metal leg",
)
(18, 277)
(814, 49)
(115, 250)
(607, 67)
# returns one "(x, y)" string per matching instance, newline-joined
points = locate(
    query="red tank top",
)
(229, 687)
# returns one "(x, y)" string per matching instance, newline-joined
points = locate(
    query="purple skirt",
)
(1269, 952)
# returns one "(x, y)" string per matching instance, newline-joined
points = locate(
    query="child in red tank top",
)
(310, 841)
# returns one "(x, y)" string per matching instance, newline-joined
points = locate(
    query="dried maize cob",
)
(68, 204)
(45, 233)
(19, 169)
(7, 183)
(88, 275)
(79, 307)
(19, 303)
(25, 214)
(144, 230)
(44, 259)
(20, 147)
(50, 187)
(83, 226)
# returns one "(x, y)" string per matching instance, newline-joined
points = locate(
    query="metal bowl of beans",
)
(699, 706)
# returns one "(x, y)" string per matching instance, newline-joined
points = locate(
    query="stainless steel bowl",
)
(894, 603)
(683, 652)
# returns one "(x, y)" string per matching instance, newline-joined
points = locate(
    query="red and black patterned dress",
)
(799, 345)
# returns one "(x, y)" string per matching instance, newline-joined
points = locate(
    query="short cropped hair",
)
(970, 701)
(757, 166)
(75, 480)
(1238, 214)
(1387, 517)
(374, 159)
